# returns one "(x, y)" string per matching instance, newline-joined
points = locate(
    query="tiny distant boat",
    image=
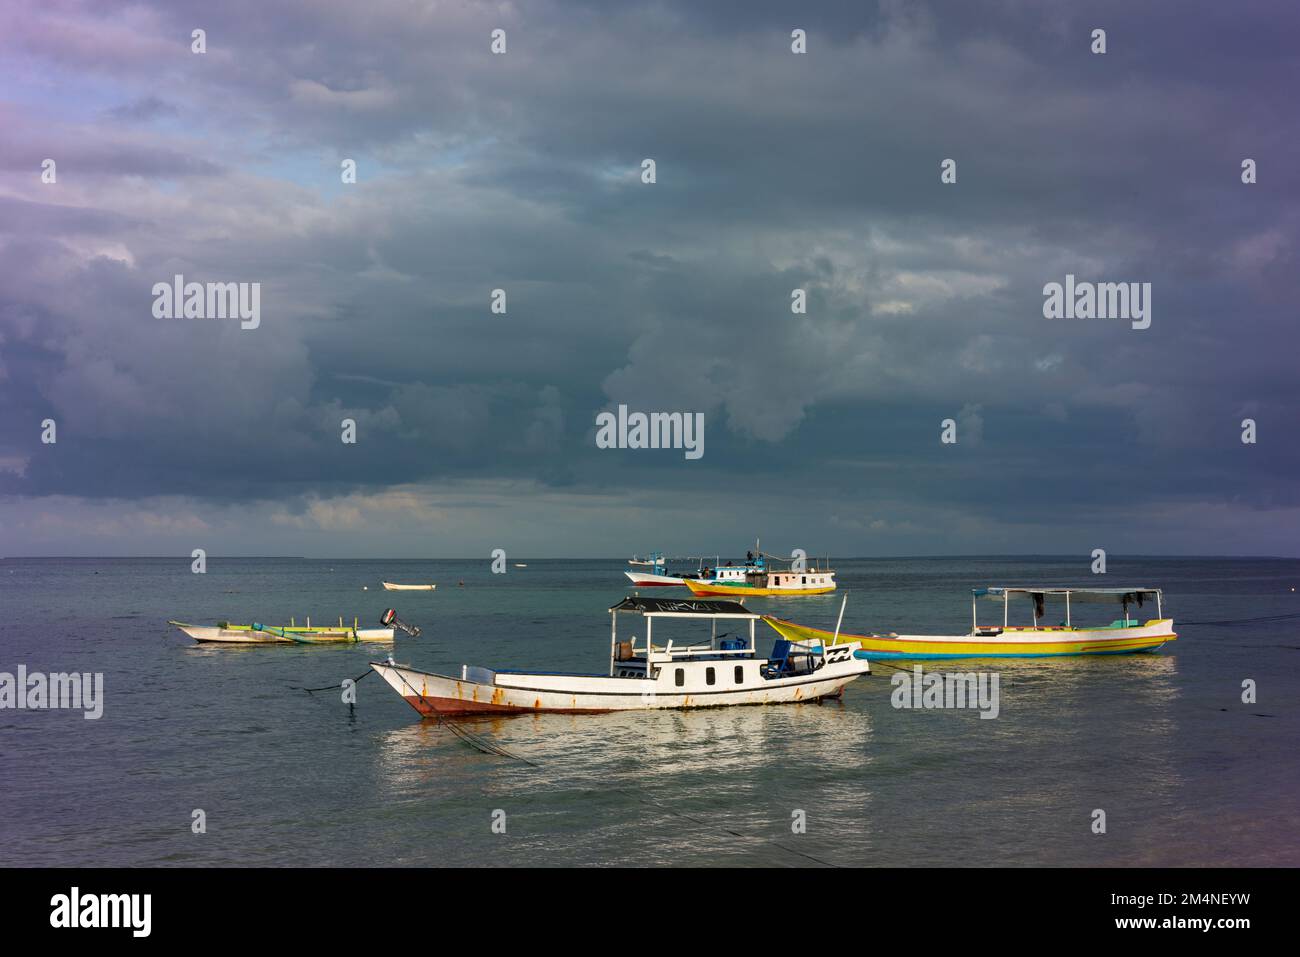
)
(1124, 635)
(721, 669)
(392, 586)
(653, 560)
(257, 634)
(520, 565)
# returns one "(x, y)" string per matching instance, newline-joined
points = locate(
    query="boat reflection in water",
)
(645, 787)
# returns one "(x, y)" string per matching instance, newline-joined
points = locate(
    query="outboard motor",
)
(390, 619)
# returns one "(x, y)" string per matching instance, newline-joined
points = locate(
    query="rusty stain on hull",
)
(448, 706)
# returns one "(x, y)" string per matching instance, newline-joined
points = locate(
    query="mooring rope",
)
(332, 687)
(1243, 621)
(475, 741)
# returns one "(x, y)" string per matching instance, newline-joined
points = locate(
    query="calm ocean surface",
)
(1186, 773)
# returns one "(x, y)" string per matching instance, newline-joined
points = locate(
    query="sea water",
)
(214, 756)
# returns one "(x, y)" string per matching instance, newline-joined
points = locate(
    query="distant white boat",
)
(649, 580)
(653, 560)
(392, 586)
(520, 565)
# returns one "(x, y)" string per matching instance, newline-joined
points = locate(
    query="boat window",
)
(709, 676)
(740, 675)
(680, 677)
(805, 579)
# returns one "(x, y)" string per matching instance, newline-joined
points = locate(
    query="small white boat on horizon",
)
(393, 586)
(723, 669)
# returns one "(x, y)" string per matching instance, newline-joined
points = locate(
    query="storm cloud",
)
(775, 171)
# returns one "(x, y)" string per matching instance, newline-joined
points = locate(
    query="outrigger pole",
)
(839, 621)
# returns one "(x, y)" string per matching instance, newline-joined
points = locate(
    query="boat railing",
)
(703, 649)
(694, 650)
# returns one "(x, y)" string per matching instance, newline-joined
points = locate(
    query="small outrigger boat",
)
(392, 586)
(258, 634)
(1122, 636)
(722, 669)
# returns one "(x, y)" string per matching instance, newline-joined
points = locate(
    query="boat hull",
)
(434, 695)
(1012, 643)
(391, 586)
(648, 580)
(704, 589)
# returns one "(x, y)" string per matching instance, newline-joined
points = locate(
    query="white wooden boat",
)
(653, 560)
(650, 580)
(721, 669)
(1124, 635)
(254, 634)
(393, 586)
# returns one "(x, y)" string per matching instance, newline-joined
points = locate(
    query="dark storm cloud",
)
(775, 171)
(143, 110)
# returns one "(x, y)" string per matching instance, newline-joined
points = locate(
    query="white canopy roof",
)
(1132, 596)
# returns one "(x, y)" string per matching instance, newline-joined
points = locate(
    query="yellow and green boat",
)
(1124, 635)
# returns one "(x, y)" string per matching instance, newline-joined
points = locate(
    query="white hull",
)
(512, 692)
(648, 580)
(390, 586)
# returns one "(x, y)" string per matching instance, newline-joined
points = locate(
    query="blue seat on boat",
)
(780, 658)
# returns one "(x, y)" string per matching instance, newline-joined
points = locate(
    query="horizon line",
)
(462, 558)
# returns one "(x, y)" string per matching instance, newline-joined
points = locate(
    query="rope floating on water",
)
(332, 687)
(1243, 621)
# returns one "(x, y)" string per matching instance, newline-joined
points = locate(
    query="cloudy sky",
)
(522, 171)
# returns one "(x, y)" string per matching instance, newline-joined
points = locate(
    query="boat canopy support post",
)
(974, 612)
(1006, 609)
(613, 639)
(1067, 609)
(1160, 612)
(839, 621)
